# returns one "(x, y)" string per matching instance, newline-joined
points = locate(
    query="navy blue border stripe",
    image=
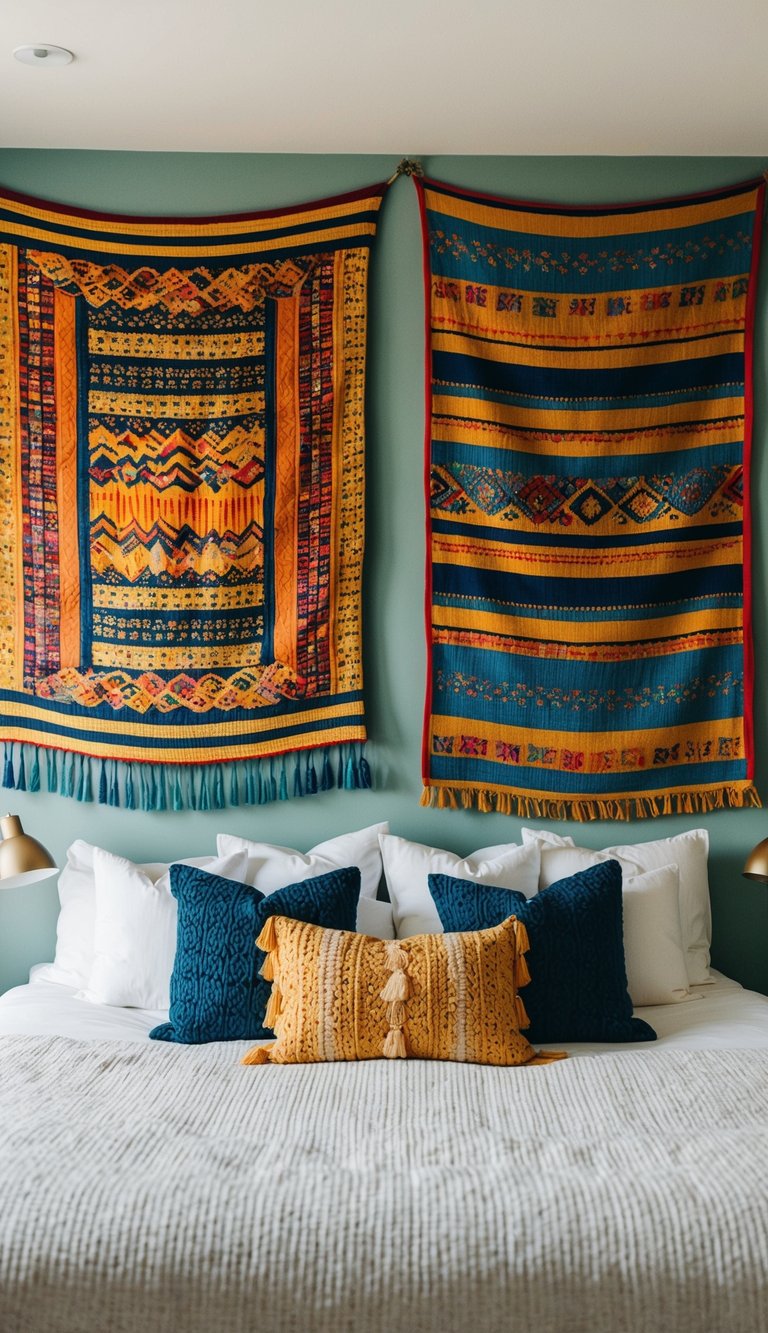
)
(268, 544)
(194, 427)
(563, 615)
(83, 485)
(669, 462)
(616, 382)
(629, 590)
(581, 785)
(444, 527)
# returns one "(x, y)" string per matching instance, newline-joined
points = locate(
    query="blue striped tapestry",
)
(589, 426)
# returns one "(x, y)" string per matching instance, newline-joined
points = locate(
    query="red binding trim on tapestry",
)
(542, 206)
(425, 749)
(749, 338)
(369, 192)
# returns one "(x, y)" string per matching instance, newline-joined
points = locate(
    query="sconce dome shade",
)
(23, 860)
(756, 865)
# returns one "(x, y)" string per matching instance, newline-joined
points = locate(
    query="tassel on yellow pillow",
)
(338, 995)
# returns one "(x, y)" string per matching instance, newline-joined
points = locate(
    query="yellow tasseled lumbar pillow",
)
(338, 995)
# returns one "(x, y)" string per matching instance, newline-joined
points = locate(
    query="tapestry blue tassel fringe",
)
(183, 787)
(8, 776)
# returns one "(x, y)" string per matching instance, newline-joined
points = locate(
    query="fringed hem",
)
(142, 786)
(584, 809)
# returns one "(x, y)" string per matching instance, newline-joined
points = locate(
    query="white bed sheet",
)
(726, 1015)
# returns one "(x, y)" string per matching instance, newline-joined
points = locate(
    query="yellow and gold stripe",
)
(502, 353)
(325, 211)
(177, 346)
(552, 418)
(582, 443)
(698, 735)
(588, 224)
(587, 632)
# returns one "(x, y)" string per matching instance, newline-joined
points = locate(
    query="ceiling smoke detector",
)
(43, 54)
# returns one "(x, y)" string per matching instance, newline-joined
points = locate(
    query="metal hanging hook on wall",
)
(407, 166)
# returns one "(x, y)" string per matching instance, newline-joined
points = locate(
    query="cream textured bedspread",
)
(171, 1190)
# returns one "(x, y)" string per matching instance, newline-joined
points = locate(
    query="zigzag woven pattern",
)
(588, 448)
(181, 500)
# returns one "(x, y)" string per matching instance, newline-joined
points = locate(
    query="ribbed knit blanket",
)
(171, 1190)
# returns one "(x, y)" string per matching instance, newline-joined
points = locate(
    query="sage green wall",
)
(394, 635)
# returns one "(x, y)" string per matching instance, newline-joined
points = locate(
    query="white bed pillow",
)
(134, 935)
(560, 858)
(653, 938)
(375, 918)
(74, 930)
(689, 852)
(271, 867)
(407, 866)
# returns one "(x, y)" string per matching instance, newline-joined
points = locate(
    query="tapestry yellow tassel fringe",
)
(267, 970)
(583, 810)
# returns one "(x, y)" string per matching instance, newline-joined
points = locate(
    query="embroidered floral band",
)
(589, 435)
(181, 501)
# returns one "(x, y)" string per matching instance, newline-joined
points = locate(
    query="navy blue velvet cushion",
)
(216, 991)
(578, 987)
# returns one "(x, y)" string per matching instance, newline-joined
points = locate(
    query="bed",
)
(158, 1188)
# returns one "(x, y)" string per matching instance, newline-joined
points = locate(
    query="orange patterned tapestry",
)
(181, 501)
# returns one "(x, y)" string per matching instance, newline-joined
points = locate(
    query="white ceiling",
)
(395, 76)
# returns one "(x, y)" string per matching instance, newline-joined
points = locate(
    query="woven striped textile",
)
(588, 438)
(181, 501)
